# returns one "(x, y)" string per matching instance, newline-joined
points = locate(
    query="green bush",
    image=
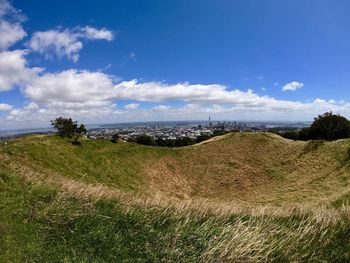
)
(144, 139)
(330, 127)
(115, 138)
(327, 126)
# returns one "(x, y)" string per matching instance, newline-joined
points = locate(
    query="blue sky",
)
(112, 61)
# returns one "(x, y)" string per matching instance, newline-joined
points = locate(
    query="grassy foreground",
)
(39, 224)
(105, 202)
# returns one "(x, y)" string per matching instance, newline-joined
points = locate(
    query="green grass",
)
(41, 224)
(258, 168)
(51, 212)
(101, 161)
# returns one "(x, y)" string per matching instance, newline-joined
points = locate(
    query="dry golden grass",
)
(256, 168)
(239, 198)
(243, 168)
(322, 213)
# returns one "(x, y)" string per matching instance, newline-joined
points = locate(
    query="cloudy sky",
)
(116, 61)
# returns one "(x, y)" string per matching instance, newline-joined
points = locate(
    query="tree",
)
(203, 137)
(330, 127)
(68, 128)
(144, 139)
(115, 138)
(160, 142)
(304, 134)
(77, 133)
(184, 141)
(219, 132)
(63, 126)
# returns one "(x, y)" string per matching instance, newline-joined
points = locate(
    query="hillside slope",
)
(247, 168)
(105, 202)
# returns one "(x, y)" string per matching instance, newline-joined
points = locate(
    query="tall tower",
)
(209, 121)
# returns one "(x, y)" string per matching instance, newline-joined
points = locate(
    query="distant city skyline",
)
(131, 61)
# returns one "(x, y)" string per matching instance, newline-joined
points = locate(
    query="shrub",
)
(330, 127)
(144, 139)
(219, 132)
(115, 138)
(327, 126)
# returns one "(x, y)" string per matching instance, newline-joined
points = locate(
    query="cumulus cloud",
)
(87, 92)
(32, 106)
(55, 42)
(71, 86)
(11, 29)
(66, 43)
(5, 107)
(210, 93)
(83, 89)
(14, 70)
(41, 116)
(192, 111)
(10, 34)
(13, 65)
(95, 34)
(106, 111)
(292, 86)
(132, 106)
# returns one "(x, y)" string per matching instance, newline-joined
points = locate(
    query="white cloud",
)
(193, 111)
(71, 86)
(132, 106)
(9, 12)
(292, 86)
(66, 42)
(56, 42)
(14, 70)
(95, 34)
(211, 93)
(11, 30)
(91, 96)
(5, 107)
(161, 108)
(13, 65)
(30, 117)
(107, 112)
(5, 6)
(31, 106)
(85, 89)
(10, 34)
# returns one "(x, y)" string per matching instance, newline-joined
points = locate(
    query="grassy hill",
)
(246, 197)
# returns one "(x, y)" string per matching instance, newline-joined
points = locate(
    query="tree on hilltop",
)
(68, 128)
(329, 126)
(115, 138)
(144, 139)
